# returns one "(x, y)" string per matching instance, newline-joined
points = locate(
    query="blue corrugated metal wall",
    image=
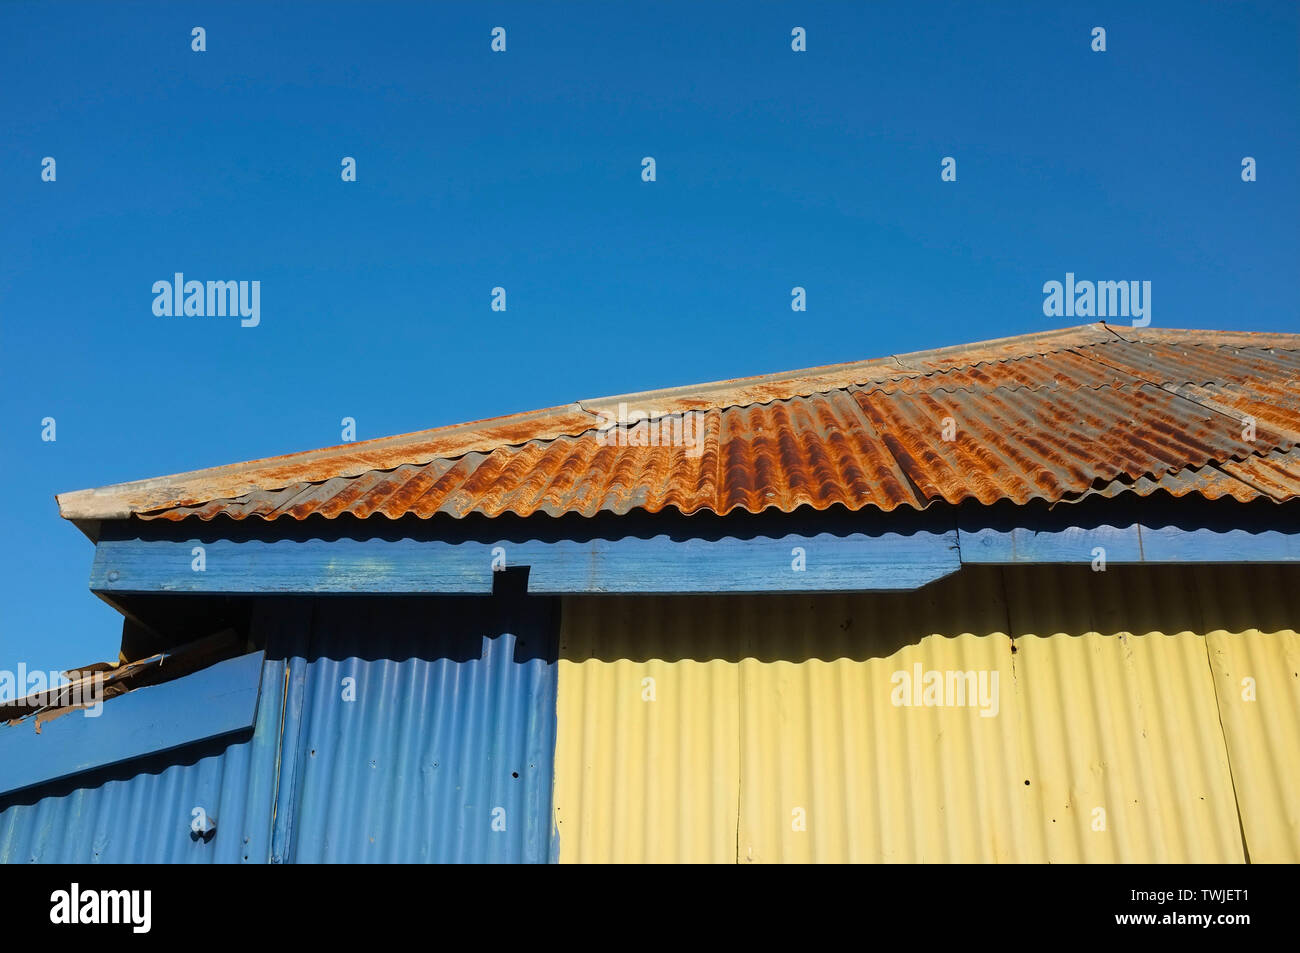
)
(444, 753)
(140, 811)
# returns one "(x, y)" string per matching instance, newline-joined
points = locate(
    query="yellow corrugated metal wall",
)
(829, 770)
(1121, 732)
(1255, 657)
(768, 730)
(647, 780)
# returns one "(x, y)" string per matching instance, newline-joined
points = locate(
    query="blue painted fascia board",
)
(214, 701)
(707, 557)
(835, 550)
(1130, 532)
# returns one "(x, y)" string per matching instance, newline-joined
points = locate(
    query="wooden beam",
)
(660, 564)
(1145, 532)
(835, 550)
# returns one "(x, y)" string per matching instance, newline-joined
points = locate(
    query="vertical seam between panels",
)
(744, 648)
(307, 640)
(279, 755)
(1227, 748)
(1022, 749)
(553, 849)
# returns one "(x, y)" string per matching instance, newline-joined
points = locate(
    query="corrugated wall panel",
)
(140, 811)
(834, 771)
(1123, 738)
(445, 755)
(647, 771)
(454, 718)
(1253, 614)
(1124, 691)
(1107, 701)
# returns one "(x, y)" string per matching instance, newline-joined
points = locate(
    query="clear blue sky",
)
(522, 169)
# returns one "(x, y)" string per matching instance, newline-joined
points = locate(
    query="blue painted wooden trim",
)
(857, 561)
(672, 554)
(1150, 532)
(1128, 544)
(1163, 544)
(215, 701)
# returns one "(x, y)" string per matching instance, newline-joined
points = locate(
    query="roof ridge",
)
(1074, 336)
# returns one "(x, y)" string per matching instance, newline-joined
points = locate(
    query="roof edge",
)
(121, 500)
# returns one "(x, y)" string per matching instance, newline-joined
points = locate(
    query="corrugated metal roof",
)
(772, 734)
(1050, 416)
(1274, 475)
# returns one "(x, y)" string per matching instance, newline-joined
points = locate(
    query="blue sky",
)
(522, 169)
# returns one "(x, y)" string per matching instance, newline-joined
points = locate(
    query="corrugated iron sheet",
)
(1047, 416)
(647, 756)
(1254, 647)
(850, 448)
(1122, 740)
(445, 753)
(1275, 475)
(140, 811)
(834, 772)
(1107, 745)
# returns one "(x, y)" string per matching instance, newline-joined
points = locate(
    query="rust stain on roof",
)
(1052, 416)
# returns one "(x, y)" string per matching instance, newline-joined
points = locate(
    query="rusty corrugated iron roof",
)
(1050, 416)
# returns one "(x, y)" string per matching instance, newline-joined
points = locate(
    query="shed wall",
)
(141, 811)
(426, 730)
(442, 752)
(727, 729)
(1116, 737)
